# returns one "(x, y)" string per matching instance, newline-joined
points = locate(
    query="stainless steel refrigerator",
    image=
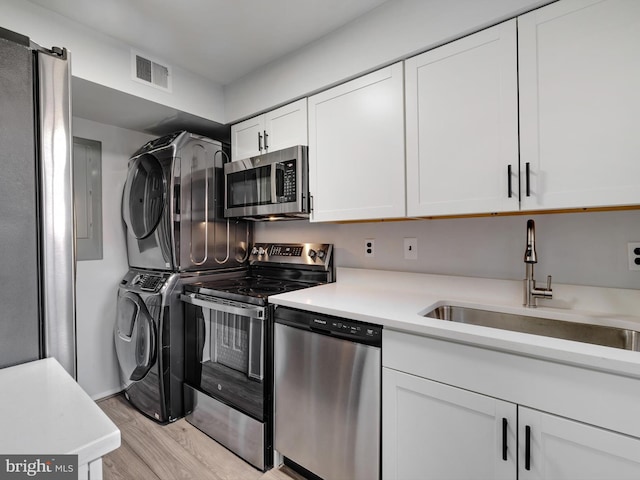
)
(37, 260)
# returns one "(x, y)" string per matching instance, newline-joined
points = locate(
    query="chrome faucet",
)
(531, 292)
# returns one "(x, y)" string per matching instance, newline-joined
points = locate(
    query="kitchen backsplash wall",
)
(575, 248)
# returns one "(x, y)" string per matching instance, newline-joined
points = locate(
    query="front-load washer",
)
(148, 345)
(172, 207)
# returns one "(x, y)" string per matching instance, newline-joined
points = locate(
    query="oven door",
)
(225, 354)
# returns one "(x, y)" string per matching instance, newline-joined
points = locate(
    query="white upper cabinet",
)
(356, 148)
(280, 128)
(579, 72)
(247, 138)
(286, 126)
(462, 125)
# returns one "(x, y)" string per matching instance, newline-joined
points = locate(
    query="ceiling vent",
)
(150, 71)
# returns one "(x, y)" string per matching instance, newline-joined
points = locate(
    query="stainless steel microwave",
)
(270, 186)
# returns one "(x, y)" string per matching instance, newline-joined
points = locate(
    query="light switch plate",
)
(411, 248)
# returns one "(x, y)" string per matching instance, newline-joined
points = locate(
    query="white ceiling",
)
(221, 40)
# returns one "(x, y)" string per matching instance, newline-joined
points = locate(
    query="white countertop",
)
(44, 411)
(398, 300)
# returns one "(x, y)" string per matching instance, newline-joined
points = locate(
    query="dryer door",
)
(144, 196)
(135, 338)
(146, 212)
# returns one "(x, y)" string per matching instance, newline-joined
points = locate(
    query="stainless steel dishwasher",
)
(327, 394)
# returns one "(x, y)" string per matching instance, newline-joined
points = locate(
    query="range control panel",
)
(311, 254)
(286, 250)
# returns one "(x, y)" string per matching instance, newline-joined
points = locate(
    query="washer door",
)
(144, 196)
(135, 338)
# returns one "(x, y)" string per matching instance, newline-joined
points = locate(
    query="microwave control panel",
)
(289, 192)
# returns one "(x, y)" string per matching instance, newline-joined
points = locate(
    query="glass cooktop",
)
(249, 289)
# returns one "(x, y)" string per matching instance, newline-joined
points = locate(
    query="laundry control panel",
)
(145, 282)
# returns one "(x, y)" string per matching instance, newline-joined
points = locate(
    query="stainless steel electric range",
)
(228, 387)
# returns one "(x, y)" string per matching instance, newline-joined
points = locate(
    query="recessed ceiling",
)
(221, 40)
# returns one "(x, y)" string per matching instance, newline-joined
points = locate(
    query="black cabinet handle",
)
(508, 182)
(504, 439)
(527, 448)
(259, 142)
(528, 178)
(266, 146)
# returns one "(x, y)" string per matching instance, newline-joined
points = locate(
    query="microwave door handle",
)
(274, 183)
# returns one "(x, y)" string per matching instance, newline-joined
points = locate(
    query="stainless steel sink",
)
(578, 332)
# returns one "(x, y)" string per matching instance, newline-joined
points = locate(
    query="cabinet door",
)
(462, 125)
(356, 148)
(247, 138)
(286, 126)
(434, 431)
(579, 72)
(564, 449)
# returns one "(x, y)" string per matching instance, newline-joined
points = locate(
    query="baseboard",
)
(106, 394)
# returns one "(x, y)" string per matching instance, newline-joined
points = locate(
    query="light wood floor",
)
(150, 451)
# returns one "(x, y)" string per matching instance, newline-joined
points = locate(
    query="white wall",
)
(580, 248)
(575, 248)
(106, 61)
(97, 280)
(393, 31)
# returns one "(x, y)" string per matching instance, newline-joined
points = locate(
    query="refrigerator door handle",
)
(56, 207)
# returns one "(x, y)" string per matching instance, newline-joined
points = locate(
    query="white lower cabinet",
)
(436, 431)
(564, 449)
(454, 410)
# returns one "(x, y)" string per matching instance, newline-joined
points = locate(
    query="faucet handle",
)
(549, 282)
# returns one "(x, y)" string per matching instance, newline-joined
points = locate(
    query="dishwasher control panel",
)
(337, 327)
(346, 326)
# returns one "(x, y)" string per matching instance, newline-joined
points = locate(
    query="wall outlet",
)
(369, 248)
(411, 248)
(634, 255)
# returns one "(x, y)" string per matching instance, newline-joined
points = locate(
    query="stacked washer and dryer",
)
(176, 234)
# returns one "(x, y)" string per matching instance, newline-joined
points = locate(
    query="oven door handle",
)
(227, 306)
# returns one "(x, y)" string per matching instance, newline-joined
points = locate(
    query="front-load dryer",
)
(173, 210)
